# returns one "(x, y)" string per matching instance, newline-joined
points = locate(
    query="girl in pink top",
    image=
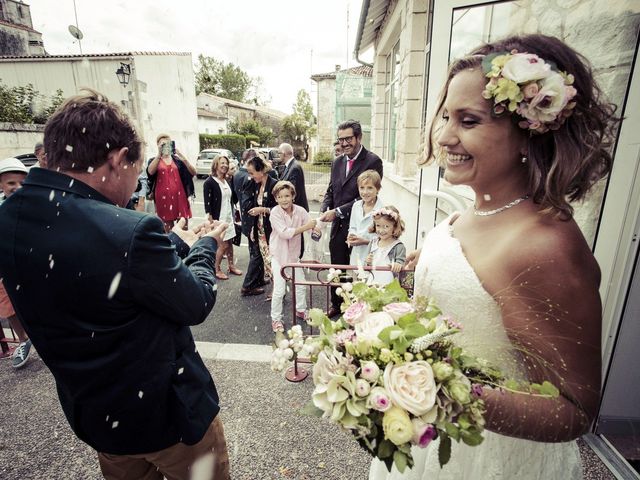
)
(288, 222)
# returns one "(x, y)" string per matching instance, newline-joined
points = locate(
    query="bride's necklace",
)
(486, 213)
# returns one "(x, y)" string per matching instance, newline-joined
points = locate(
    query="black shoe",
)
(245, 292)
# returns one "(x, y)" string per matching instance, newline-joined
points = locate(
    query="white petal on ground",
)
(115, 283)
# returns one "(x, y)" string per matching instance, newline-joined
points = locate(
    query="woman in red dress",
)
(171, 179)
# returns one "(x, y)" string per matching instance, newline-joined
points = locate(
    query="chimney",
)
(338, 68)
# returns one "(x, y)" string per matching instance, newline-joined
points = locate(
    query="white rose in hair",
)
(525, 67)
(551, 99)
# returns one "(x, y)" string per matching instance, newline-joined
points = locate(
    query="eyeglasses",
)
(345, 139)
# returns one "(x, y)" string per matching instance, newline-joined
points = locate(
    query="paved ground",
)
(267, 436)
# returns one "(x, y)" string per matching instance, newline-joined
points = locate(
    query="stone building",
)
(413, 41)
(342, 95)
(17, 36)
(226, 111)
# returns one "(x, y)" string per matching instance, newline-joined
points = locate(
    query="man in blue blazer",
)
(107, 301)
(343, 192)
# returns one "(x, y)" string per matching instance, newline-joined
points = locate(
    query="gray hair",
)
(286, 148)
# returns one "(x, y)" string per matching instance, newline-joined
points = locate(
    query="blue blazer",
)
(108, 303)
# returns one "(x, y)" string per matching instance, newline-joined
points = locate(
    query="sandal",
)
(277, 326)
(221, 276)
(235, 271)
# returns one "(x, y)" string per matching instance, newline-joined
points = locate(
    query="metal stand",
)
(295, 374)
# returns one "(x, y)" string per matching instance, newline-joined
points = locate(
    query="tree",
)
(27, 105)
(252, 127)
(301, 124)
(224, 80)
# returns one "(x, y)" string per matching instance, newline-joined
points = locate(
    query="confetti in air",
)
(84, 129)
(69, 148)
(51, 195)
(140, 394)
(71, 183)
(90, 169)
(51, 263)
(114, 285)
(115, 424)
(180, 370)
(107, 144)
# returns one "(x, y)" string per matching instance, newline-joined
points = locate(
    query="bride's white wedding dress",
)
(444, 273)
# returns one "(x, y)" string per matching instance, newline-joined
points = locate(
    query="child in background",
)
(369, 184)
(385, 249)
(12, 175)
(288, 222)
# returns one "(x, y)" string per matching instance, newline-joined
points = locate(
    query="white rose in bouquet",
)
(372, 325)
(411, 386)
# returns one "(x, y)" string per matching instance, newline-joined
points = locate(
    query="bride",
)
(515, 269)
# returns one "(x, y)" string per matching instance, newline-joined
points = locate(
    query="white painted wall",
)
(16, 139)
(211, 125)
(160, 96)
(166, 95)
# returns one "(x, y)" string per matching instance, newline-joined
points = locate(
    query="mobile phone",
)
(173, 147)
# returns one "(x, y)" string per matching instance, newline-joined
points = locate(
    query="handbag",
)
(237, 223)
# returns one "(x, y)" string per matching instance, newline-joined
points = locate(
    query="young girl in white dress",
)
(385, 249)
(369, 185)
(522, 122)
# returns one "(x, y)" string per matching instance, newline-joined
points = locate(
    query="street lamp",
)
(123, 73)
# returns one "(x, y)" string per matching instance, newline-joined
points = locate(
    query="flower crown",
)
(386, 212)
(534, 89)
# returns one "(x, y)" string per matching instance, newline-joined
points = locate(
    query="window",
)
(391, 102)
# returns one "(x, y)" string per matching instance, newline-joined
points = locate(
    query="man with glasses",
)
(343, 192)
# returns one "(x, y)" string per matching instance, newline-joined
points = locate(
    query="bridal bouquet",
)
(390, 372)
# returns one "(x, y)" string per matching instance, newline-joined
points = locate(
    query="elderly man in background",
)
(107, 301)
(40, 154)
(293, 173)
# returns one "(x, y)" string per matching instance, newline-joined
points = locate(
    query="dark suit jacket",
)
(107, 303)
(213, 197)
(295, 174)
(239, 179)
(250, 200)
(343, 190)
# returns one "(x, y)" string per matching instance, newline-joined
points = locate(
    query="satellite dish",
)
(75, 32)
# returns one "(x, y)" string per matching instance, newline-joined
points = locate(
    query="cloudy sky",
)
(282, 41)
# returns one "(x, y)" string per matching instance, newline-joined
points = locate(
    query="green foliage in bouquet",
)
(390, 372)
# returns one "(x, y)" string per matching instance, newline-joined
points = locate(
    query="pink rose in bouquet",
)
(355, 313)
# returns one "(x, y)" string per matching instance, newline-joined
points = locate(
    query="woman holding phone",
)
(171, 182)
